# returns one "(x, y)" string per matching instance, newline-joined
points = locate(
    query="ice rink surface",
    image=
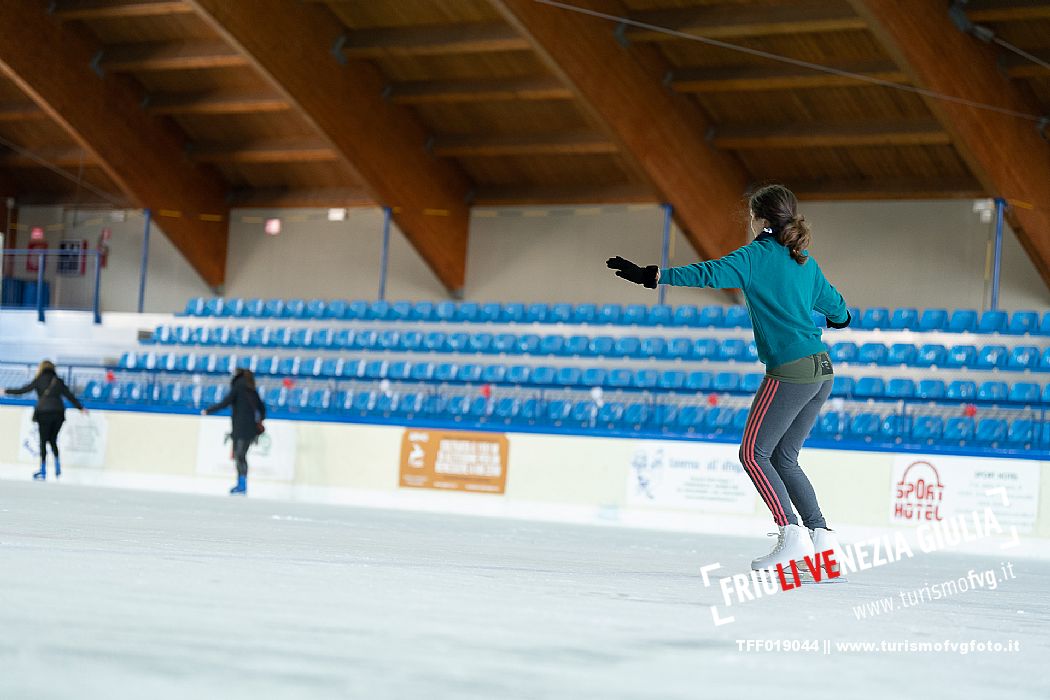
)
(108, 593)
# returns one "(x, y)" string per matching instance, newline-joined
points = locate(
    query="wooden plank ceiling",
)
(512, 124)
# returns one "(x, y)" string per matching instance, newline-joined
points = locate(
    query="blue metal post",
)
(40, 288)
(997, 253)
(386, 253)
(96, 307)
(661, 292)
(145, 261)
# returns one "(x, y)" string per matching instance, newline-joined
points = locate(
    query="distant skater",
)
(49, 413)
(247, 413)
(782, 285)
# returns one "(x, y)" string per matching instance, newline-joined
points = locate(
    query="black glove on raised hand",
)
(844, 324)
(645, 276)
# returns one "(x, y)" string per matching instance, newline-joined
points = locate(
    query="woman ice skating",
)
(248, 412)
(782, 285)
(50, 412)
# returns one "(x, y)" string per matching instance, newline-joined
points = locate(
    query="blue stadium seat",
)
(610, 414)
(342, 339)
(872, 354)
(469, 373)
(536, 313)
(930, 355)
(335, 309)
(486, 313)
(273, 308)
(870, 388)
(387, 340)
(990, 431)
(433, 341)
(993, 391)
(1044, 325)
(927, 428)
(583, 412)
(531, 410)
(933, 320)
(505, 344)
(961, 390)
(900, 388)
(514, 312)
(991, 357)
(518, 374)
(447, 311)
(364, 339)
(711, 317)
(398, 370)
(993, 322)
(751, 381)
(678, 348)
(422, 311)
(718, 419)
(480, 343)
(194, 307)
(726, 381)
(689, 418)
(542, 374)
(832, 424)
(645, 379)
(705, 349)
(895, 427)
(560, 313)
(1044, 362)
(1024, 392)
(619, 378)
(737, 317)
(375, 369)
(457, 341)
(293, 308)
(904, 320)
(875, 318)
(266, 364)
(663, 415)
(1022, 323)
(479, 408)
(507, 408)
(593, 376)
(601, 346)
(609, 314)
(751, 351)
(357, 310)
(1023, 358)
(962, 321)
(672, 379)
(380, 310)
(901, 354)
(958, 429)
(740, 420)
(445, 372)
(585, 313)
(568, 376)
(558, 410)
(627, 346)
(1021, 433)
(931, 390)
(961, 356)
(634, 315)
(310, 367)
(865, 426)
(686, 317)
(843, 352)
(732, 350)
(659, 315)
(698, 381)
(842, 386)
(653, 347)
(455, 407)
(528, 344)
(576, 346)
(422, 371)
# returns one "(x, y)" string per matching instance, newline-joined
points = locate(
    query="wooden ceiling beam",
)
(381, 142)
(662, 133)
(1007, 10)
(216, 102)
(885, 189)
(527, 145)
(69, 10)
(1005, 153)
(284, 151)
(1020, 67)
(777, 77)
(747, 20)
(143, 156)
(452, 91)
(294, 198)
(60, 157)
(179, 55)
(431, 40)
(915, 132)
(534, 195)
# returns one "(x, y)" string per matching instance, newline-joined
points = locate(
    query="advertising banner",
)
(271, 457)
(696, 476)
(82, 442)
(452, 460)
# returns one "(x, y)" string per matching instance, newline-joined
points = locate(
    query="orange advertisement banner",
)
(455, 461)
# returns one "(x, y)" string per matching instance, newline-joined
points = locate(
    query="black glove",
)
(832, 324)
(645, 276)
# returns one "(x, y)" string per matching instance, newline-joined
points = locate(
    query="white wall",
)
(171, 280)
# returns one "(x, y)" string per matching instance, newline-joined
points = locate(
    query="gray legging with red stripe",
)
(779, 422)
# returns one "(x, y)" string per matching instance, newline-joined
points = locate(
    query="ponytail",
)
(795, 236)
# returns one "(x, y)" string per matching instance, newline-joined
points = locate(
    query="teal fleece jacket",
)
(780, 295)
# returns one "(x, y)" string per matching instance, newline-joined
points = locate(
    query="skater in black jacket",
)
(50, 411)
(248, 413)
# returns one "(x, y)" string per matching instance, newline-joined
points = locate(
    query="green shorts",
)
(812, 369)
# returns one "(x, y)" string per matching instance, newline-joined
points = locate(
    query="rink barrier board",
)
(585, 478)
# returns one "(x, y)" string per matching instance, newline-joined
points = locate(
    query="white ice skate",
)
(823, 540)
(793, 544)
